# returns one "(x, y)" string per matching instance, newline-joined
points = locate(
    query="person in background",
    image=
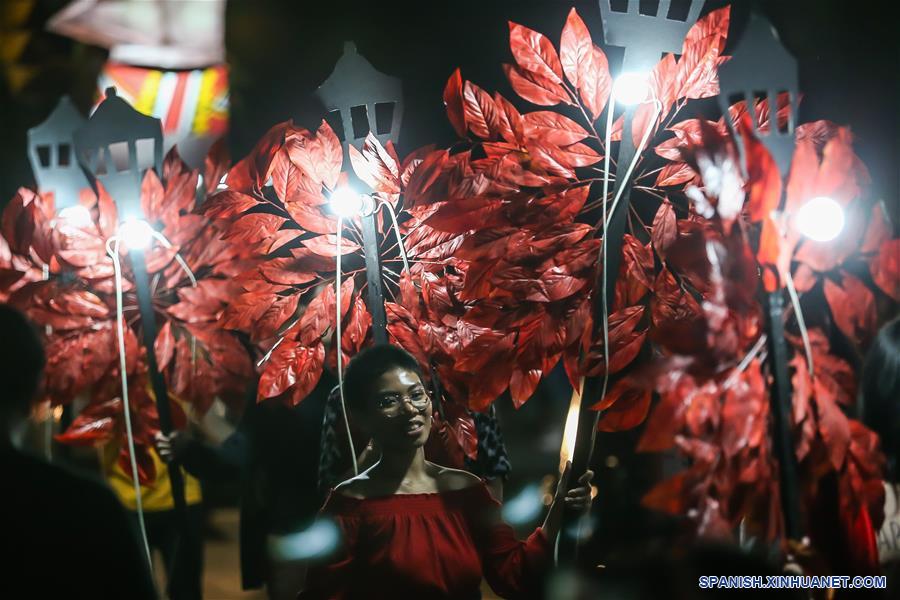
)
(415, 529)
(64, 535)
(181, 544)
(273, 452)
(880, 404)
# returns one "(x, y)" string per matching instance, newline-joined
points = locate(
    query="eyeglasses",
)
(390, 404)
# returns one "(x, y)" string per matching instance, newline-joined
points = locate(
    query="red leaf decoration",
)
(454, 102)
(853, 307)
(626, 407)
(535, 88)
(665, 231)
(534, 53)
(885, 269)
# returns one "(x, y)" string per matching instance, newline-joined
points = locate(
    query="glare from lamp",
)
(76, 216)
(631, 88)
(347, 202)
(136, 234)
(820, 219)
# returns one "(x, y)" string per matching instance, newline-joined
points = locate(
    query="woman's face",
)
(399, 410)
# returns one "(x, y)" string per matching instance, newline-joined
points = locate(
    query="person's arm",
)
(514, 568)
(222, 463)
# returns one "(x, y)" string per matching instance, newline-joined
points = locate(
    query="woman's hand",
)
(577, 498)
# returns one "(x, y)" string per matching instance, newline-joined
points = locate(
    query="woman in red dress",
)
(414, 529)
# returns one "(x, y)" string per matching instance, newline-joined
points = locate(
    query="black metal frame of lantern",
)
(107, 145)
(760, 64)
(51, 152)
(645, 38)
(353, 96)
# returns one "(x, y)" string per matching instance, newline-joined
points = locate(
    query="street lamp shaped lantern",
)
(118, 145)
(52, 155)
(361, 100)
(645, 38)
(761, 66)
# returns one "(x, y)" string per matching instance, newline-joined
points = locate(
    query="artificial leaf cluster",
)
(59, 273)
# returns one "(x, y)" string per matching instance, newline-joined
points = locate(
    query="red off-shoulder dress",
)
(437, 545)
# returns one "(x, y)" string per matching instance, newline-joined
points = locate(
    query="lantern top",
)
(361, 100)
(645, 37)
(760, 65)
(52, 155)
(60, 124)
(759, 61)
(114, 120)
(117, 145)
(355, 81)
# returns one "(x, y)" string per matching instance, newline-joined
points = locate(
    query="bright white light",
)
(76, 216)
(631, 88)
(317, 541)
(347, 203)
(136, 234)
(821, 219)
(526, 507)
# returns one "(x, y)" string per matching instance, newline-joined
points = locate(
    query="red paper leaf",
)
(553, 127)
(534, 53)
(675, 173)
(278, 313)
(585, 65)
(253, 228)
(326, 245)
(853, 308)
(481, 113)
(522, 385)
(454, 103)
(164, 346)
(292, 364)
(625, 406)
(885, 269)
(535, 88)
(228, 204)
(665, 230)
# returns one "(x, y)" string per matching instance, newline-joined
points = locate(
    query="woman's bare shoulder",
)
(449, 480)
(358, 487)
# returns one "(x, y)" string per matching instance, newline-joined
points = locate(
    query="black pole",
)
(157, 381)
(586, 433)
(780, 404)
(373, 278)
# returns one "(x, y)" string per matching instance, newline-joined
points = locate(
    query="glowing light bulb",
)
(347, 203)
(77, 216)
(631, 88)
(136, 234)
(821, 219)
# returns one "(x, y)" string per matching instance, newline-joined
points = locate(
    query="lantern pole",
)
(760, 63)
(645, 39)
(350, 95)
(115, 123)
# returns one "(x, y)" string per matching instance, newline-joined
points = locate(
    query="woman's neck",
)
(400, 466)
